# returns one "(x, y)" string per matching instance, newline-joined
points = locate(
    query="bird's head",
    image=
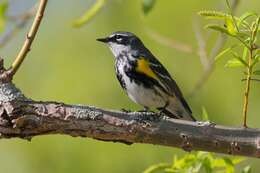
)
(120, 42)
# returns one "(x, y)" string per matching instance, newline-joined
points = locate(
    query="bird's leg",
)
(163, 108)
(146, 109)
(126, 110)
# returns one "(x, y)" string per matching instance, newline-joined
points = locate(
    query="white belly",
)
(143, 96)
(140, 95)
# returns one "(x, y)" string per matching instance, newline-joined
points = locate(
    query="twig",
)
(252, 79)
(247, 89)
(232, 15)
(182, 47)
(29, 38)
(28, 14)
(202, 46)
(20, 22)
(211, 64)
(211, 60)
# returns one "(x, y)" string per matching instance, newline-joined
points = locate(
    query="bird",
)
(145, 80)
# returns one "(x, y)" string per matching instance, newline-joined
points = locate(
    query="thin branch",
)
(20, 22)
(232, 15)
(28, 14)
(29, 38)
(211, 64)
(182, 47)
(211, 60)
(252, 79)
(247, 89)
(202, 46)
(24, 118)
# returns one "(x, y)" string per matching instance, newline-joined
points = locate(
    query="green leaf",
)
(148, 5)
(90, 14)
(247, 169)
(243, 35)
(228, 161)
(3, 8)
(232, 16)
(230, 26)
(238, 160)
(223, 52)
(245, 52)
(239, 58)
(218, 163)
(255, 29)
(226, 31)
(213, 14)
(245, 16)
(156, 168)
(198, 162)
(229, 165)
(207, 165)
(234, 63)
(256, 60)
(197, 167)
(218, 28)
(204, 116)
(257, 72)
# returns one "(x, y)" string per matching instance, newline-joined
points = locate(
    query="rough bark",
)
(25, 118)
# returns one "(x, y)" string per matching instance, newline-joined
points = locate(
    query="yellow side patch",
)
(143, 67)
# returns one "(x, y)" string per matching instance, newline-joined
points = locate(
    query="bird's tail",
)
(174, 115)
(178, 110)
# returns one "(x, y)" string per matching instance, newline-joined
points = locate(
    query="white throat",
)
(117, 49)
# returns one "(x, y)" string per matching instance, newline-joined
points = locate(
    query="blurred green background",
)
(67, 64)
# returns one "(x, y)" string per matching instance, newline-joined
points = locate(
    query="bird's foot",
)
(126, 110)
(162, 109)
(146, 109)
(161, 112)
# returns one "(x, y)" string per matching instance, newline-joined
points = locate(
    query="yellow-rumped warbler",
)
(144, 78)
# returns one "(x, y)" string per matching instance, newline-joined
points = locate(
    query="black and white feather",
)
(161, 92)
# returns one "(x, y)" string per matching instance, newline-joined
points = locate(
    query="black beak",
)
(104, 40)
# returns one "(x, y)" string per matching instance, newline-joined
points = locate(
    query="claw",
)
(126, 110)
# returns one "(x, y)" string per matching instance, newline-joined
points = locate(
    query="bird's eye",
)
(118, 38)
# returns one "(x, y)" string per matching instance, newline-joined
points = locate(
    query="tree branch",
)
(24, 118)
(29, 38)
